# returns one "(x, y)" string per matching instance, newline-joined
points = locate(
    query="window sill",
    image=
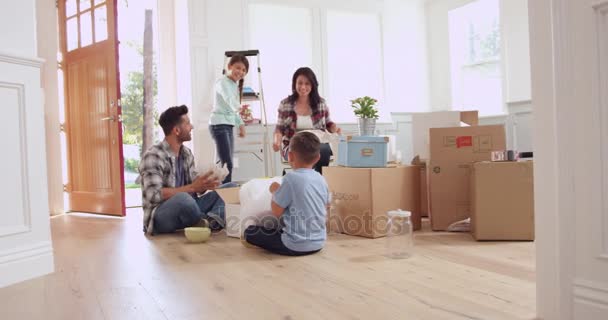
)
(481, 63)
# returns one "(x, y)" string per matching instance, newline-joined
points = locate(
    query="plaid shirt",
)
(286, 121)
(157, 171)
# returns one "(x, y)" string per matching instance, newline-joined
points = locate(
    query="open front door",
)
(93, 115)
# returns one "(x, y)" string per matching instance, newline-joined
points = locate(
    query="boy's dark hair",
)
(171, 118)
(306, 145)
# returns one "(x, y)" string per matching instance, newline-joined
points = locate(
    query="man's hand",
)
(274, 187)
(242, 131)
(205, 182)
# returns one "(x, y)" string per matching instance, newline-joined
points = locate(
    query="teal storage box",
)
(362, 151)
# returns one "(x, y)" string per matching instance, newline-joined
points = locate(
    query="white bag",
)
(255, 203)
(460, 226)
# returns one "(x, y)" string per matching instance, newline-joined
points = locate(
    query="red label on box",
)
(464, 141)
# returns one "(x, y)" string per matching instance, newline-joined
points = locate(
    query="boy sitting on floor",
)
(300, 202)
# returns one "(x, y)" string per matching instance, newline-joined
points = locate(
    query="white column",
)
(549, 294)
(47, 49)
(167, 70)
(515, 43)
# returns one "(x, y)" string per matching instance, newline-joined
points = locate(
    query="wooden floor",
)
(107, 269)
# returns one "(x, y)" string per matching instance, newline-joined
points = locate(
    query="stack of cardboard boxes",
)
(364, 188)
(462, 183)
(361, 198)
(451, 181)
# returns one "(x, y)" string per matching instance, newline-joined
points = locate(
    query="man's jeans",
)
(182, 211)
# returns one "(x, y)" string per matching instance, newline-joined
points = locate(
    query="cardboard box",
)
(424, 193)
(424, 190)
(363, 151)
(233, 210)
(422, 122)
(502, 201)
(363, 196)
(453, 151)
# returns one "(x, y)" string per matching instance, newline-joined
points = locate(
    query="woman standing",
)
(304, 109)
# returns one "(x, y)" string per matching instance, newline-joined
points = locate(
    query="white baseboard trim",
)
(25, 263)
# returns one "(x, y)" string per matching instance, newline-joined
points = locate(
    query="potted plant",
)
(365, 109)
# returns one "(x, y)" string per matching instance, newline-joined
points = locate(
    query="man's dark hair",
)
(306, 145)
(171, 118)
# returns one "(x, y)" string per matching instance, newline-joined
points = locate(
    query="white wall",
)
(25, 242)
(18, 27)
(516, 61)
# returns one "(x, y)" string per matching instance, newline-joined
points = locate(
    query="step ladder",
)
(256, 97)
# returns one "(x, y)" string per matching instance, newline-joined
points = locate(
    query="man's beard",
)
(184, 137)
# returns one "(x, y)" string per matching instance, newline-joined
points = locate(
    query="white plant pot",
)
(367, 126)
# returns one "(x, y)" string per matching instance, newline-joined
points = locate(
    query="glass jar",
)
(399, 237)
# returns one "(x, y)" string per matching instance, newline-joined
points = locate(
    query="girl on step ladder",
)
(225, 116)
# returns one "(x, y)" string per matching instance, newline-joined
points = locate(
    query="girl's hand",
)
(242, 131)
(276, 146)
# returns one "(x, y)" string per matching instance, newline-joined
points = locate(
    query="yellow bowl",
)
(197, 234)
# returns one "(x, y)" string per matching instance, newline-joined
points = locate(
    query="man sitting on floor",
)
(171, 185)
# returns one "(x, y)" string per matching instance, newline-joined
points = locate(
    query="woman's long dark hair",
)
(314, 97)
(242, 59)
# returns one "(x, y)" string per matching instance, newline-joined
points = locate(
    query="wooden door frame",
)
(547, 58)
(119, 108)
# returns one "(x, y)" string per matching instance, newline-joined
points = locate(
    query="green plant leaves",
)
(365, 107)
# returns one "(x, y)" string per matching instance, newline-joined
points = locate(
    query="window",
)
(93, 23)
(282, 50)
(475, 57)
(350, 44)
(354, 62)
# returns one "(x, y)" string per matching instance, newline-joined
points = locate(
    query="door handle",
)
(108, 119)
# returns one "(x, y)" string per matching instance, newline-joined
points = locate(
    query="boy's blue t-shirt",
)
(304, 195)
